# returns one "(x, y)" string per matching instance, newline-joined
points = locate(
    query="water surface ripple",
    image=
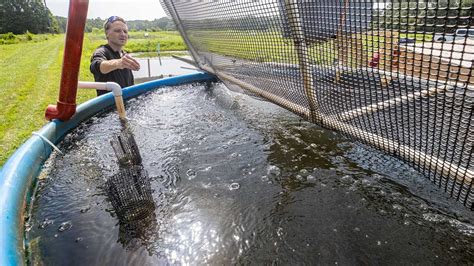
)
(238, 180)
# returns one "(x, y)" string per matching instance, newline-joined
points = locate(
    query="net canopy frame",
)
(394, 75)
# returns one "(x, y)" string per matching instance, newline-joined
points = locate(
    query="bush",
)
(29, 35)
(8, 38)
(97, 31)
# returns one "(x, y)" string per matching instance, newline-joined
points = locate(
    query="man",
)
(109, 62)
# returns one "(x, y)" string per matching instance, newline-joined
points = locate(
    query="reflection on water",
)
(237, 180)
(167, 66)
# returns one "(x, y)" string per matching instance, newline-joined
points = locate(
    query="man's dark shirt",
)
(123, 77)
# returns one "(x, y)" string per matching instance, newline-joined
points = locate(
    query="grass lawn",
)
(272, 46)
(30, 73)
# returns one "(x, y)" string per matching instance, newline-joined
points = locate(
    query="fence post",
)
(158, 51)
(149, 72)
(297, 32)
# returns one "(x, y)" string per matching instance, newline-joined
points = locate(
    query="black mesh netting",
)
(129, 190)
(130, 193)
(394, 75)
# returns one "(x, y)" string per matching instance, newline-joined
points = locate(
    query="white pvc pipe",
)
(92, 85)
(107, 86)
(104, 86)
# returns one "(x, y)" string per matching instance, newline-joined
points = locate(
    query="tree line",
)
(20, 16)
(33, 16)
(161, 24)
(429, 16)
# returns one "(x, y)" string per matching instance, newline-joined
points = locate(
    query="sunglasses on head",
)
(112, 19)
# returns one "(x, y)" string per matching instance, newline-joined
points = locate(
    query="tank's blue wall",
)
(19, 172)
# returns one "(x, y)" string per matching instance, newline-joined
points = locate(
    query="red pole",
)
(76, 22)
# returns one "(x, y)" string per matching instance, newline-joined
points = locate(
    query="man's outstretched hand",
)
(127, 61)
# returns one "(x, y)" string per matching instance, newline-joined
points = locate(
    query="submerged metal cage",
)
(130, 193)
(129, 190)
(126, 149)
(394, 75)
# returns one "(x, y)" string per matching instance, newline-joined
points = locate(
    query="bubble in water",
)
(79, 239)
(273, 170)
(191, 174)
(280, 231)
(304, 172)
(311, 178)
(377, 176)
(397, 207)
(65, 226)
(45, 223)
(347, 179)
(299, 177)
(234, 186)
(264, 178)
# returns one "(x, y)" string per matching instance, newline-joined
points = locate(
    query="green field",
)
(30, 72)
(272, 46)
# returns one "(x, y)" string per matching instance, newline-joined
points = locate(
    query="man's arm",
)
(100, 64)
(126, 61)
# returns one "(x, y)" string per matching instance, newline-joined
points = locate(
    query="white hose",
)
(47, 141)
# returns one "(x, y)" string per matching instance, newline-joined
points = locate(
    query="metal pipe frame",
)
(169, 4)
(337, 122)
(296, 26)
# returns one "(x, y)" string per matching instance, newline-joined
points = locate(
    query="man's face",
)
(117, 34)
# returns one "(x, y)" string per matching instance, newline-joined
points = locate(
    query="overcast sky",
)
(128, 9)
